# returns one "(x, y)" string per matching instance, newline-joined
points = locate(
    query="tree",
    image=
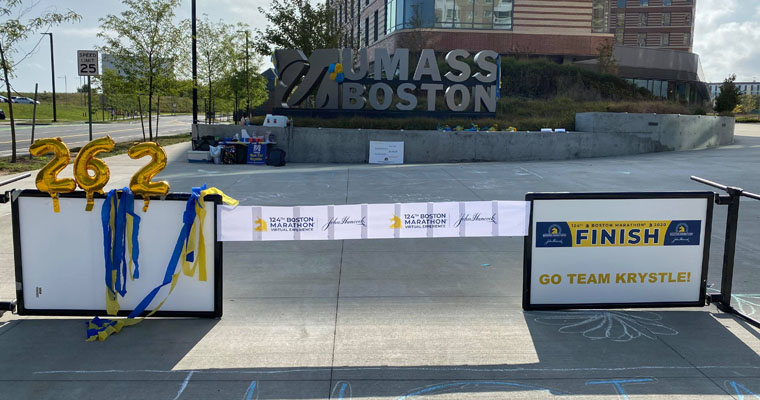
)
(747, 104)
(15, 26)
(728, 98)
(146, 45)
(606, 63)
(216, 52)
(297, 24)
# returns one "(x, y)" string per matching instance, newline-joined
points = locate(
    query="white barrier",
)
(374, 221)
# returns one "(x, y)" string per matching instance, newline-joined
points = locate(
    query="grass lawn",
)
(28, 163)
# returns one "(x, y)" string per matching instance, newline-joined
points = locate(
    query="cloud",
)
(726, 37)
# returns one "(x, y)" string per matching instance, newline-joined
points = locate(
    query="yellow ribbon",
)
(190, 246)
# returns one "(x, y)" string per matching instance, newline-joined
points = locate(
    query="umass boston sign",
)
(343, 80)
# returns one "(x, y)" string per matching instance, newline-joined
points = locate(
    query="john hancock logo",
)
(477, 217)
(552, 234)
(344, 221)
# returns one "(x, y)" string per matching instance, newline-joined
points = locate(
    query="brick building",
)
(566, 30)
(665, 24)
(653, 38)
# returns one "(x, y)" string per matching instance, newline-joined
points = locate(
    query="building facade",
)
(653, 38)
(752, 88)
(567, 30)
(664, 24)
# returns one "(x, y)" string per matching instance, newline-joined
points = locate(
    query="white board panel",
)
(618, 251)
(62, 259)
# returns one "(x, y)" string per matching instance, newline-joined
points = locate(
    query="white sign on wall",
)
(87, 63)
(386, 152)
(617, 250)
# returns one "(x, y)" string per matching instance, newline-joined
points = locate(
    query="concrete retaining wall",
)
(676, 132)
(627, 134)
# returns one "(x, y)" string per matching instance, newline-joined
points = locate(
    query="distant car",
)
(3, 99)
(2, 114)
(23, 100)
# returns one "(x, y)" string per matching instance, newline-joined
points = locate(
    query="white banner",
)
(374, 221)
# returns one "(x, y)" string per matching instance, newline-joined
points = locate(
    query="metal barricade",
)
(734, 194)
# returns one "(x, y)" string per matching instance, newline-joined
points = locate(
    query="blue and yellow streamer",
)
(189, 249)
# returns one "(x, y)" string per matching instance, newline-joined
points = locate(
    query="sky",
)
(727, 37)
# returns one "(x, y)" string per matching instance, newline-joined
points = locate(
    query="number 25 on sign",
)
(92, 174)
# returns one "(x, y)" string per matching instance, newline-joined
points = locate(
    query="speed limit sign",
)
(87, 63)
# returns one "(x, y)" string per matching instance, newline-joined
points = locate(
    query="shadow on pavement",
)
(580, 353)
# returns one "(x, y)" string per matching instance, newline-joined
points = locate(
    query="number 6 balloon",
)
(86, 162)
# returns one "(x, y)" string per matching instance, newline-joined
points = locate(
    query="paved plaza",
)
(402, 319)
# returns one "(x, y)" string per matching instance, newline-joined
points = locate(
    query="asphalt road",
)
(421, 319)
(77, 134)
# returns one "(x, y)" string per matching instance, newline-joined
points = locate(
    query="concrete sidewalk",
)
(422, 318)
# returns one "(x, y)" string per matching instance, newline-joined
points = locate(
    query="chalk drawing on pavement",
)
(617, 326)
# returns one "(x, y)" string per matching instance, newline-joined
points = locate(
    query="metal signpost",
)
(87, 65)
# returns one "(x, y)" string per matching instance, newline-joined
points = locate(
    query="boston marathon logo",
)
(291, 224)
(618, 233)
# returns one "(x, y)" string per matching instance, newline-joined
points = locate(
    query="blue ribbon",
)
(114, 241)
(188, 218)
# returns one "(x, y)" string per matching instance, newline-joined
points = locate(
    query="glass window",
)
(688, 19)
(667, 2)
(619, 35)
(366, 32)
(621, 3)
(664, 39)
(686, 39)
(463, 13)
(620, 20)
(375, 29)
(643, 19)
(644, 3)
(390, 11)
(666, 19)
(600, 16)
(385, 25)
(483, 18)
(502, 14)
(641, 39)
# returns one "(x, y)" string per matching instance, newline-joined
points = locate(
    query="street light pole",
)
(52, 73)
(195, 69)
(247, 79)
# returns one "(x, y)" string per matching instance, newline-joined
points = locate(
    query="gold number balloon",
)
(86, 162)
(47, 179)
(141, 182)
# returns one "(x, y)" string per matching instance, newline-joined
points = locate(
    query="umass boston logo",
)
(342, 80)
